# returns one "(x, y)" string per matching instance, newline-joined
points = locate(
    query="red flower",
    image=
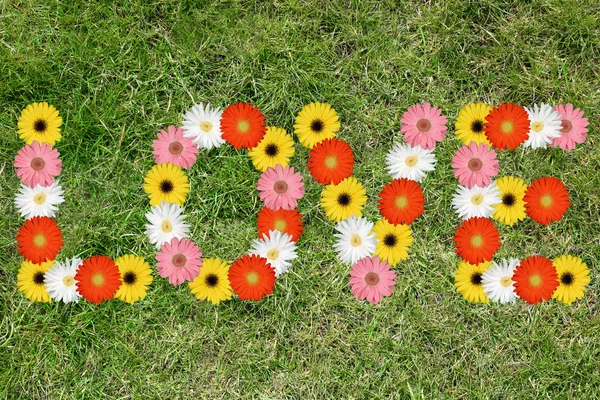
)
(39, 239)
(535, 279)
(401, 201)
(243, 125)
(98, 279)
(477, 240)
(286, 221)
(507, 126)
(546, 200)
(331, 161)
(251, 278)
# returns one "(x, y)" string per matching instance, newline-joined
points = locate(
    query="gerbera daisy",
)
(202, 124)
(355, 239)
(40, 122)
(212, 283)
(30, 281)
(179, 260)
(475, 165)
(330, 161)
(477, 240)
(497, 281)
(39, 239)
(470, 122)
(98, 279)
(166, 182)
(41, 201)
(251, 277)
(573, 277)
(243, 125)
(280, 187)
(546, 200)
(276, 147)
(371, 279)
(423, 125)
(285, 221)
(477, 201)
(468, 281)
(344, 199)
(60, 280)
(166, 222)
(544, 126)
(574, 127)
(401, 201)
(507, 126)
(37, 164)
(535, 279)
(136, 275)
(172, 147)
(406, 161)
(316, 122)
(511, 207)
(279, 250)
(393, 241)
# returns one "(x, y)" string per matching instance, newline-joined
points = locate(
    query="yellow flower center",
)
(206, 126)
(69, 280)
(243, 126)
(401, 202)
(280, 224)
(477, 199)
(40, 240)
(355, 240)
(166, 226)
(506, 281)
(477, 241)
(39, 198)
(411, 161)
(273, 254)
(331, 162)
(252, 278)
(537, 126)
(546, 201)
(535, 280)
(507, 127)
(97, 279)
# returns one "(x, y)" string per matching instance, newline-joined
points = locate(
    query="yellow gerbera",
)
(393, 241)
(276, 147)
(470, 122)
(316, 121)
(166, 182)
(573, 277)
(30, 280)
(40, 122)
(212, 283)
(136, 275)
(343, 200)
(512, 207)
(468, 282)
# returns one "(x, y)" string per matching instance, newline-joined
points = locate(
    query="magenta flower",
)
(280, 188)
(179, 260)
(574, 127)
(371, 279)
(423, 125)
(172, 147)
(38, 164)
(475, 165)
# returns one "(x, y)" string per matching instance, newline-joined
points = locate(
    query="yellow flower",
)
(393, 241)
(41, 123)
(30, 280)
(316, 121)
(343, 200)
(136, 275)
(573, 277)
(470, 122)
(212, 283)
(467, 281)
(166, 182)
(276, 147)
(512, 207)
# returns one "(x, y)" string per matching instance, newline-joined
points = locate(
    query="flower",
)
(477, 201)
(574, 127)
(423, 125)
(535, 279)
(179, 260)
(243, 125)
(166, 182)
(405, 161)
(37, 164)
(60, 280)
(276, 147)
(172, 147)
(477, 240)
(475, 165)
(497, 281)
(202, 124)
(573, 277)
(279, 250)
(507, 126)
(136, 275)
(41, 201)
(280, 187)
(286, 221)
(212, 283)
(393, 241)
(315, 122)
(468, 281)
(98, 279)
(544, 126)
(355, 239)
(166, 222)
(401, 201)
(344, 199)
(251, 277)
(40, 122)
(546, 200)
(511, 207)
(470, 122)
(39, 239)
(330, 161)
(31, 279)
(371, 279)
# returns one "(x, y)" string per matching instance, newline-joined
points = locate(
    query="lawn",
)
(119, 72)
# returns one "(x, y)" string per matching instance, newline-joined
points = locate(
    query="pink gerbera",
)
(38, 164)
(172, 147)
(280, 188)
(474, 165)
(423, 125)
(371, 278)
(179, 261)
(574, 127)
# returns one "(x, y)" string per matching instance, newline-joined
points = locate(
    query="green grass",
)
(119, 72)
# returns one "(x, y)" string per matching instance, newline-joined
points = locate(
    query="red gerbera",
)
(39, 239)
(401, 201)
(331, 161)
(243, 125)
(286, 221)
(98, 279)
(507, 126)
(477, 240)
(251, 278)
(546, 200)
(535, 279)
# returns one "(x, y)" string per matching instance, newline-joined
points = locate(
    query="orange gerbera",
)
(39, 239)
(546, 200)
(507, 126)
(251, 278)
(401, 201)
(98, 279)
(243, 125)
(286, 221)
(331, 161)
(535, 279)
(477, 240)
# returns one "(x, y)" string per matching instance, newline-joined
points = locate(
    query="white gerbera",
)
(497, 281)
(544, 126)
(278, 248)
(166, 223)
(202, 124)
(60, 280)
(41, 201)
(355, 240)
(404, 161)
(477, 201)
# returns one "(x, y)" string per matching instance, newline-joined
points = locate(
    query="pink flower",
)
(423, 125)
(280, 188)
(38, 165)
(475, 165)
(371, 278)
(179, 261)
(172, 147)
(574, 127)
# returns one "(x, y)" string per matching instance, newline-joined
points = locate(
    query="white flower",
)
(166, 223)
(60, 281)
(477, 201)
(544, 126)
(404, 161)
(277, 248)
(203, 125)
(41, 201)
(497, 281)
(355, 240)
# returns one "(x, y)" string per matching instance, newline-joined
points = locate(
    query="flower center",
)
(129, 278)
(401, 202)
(390, 240)
(372, 279)
(175, 148)
(411, 161)
(477, 199)
(252, 278)
(271, 150)
(477, 126)
(506, 281)
(355, 240)
(206, 126)
(476, 279)
(477, 241)
(537, 126)
(567, 279)
(243, 126)
(38, 278)
(330, 162)
(166, 226)
(280, 224)
(211, 280)
(40, 240)
(166, 186)
(178, 260)
(68, 280)
(507, 127)
(273, 254)
(546, 201)
(97, 279)
(475, 164)
(508, 200)
(40, 126)
(535, 280)
(280, 187)
(39, 198)
(317, 126)
(566, 126)
(37, 164)
(343, 199)
(423, 125)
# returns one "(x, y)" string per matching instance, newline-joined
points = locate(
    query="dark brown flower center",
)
(129, 278)
(317, 126)
(38, 278)
(567, 278)
(280, 187)
(475, 164)
(372, 279)
(37, 164)
(40, 126)
(476, 279)
(271, 150)
(178, 260)
(508, 200)
(166, 186)
(477, 126)
(566, 126)
(211, 280)
(343, 199)
(390, 240)
(175, 148)
(423, 125)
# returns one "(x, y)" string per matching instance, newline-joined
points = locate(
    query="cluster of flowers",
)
(482, 128)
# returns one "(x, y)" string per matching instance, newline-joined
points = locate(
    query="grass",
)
(120, 71)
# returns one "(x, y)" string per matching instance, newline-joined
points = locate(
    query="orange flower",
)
(535, 279)
(251, 278)
(477, 240)
(39, 239)
(507, 126)
(243, 125)
(331, 161)
(286, 221)
(401, 201)
(546, 200)
(98, 279)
